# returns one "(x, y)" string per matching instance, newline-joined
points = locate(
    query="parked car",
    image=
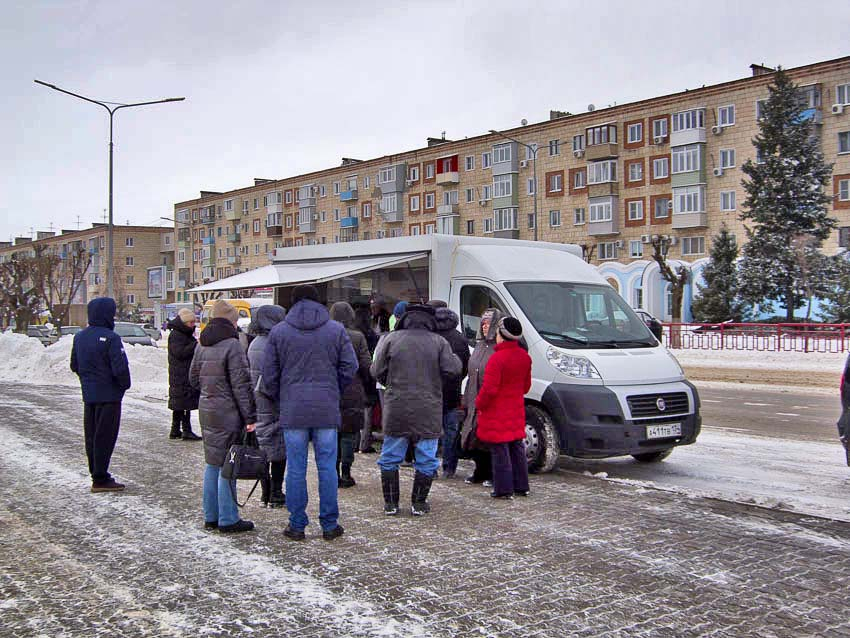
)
(69, 330)
(42, 333)
(651, 322)
(133, 334)
(152, 331)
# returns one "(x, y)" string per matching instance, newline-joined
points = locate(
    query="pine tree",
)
(786, 201)
(719, 299)
(836, 307)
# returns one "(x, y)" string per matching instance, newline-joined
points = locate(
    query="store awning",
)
(305, 272)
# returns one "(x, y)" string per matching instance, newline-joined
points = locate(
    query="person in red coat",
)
(501, 410)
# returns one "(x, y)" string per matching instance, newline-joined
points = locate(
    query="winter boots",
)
(419, 496)
(180, 421)
(389, 483)
(345, 478)
(175, 427)
(188, 435)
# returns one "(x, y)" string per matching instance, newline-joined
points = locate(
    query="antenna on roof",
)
(591, 107)
(78, 222)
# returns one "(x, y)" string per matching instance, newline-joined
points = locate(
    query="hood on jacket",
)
(307, 315)
(101, 312)
(490, 337)
(178, 325)
(417, 317)
(266, 318)
(343, 312)
(400, 309)
(446, 319)
(217, 330)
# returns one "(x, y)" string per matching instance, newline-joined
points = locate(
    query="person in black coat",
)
(182, 397)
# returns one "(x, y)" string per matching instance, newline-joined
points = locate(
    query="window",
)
(228, 204)
(323, 190)
(413, 173)
(687, 120)
(289, 221)
(128, 242)
(635, 133)
(502, 186)
(366, 210)
(554, 147)
(606, 250)
(578, 143)
(128, 261)
(693, 245)
(727, 158)
(256, 249)
(605, 134)
(474, 300)
(636, 171)
(579, 179)
(336, 188)
(635, 249)
(256, 203)
(689, 200)
(636, 210)
(531, 221)
(842, 94)
(726, 115)
(759, 157)
(661, 168)
(218, 230)
(844, 190)
(131, 299)
(336, 214)
(415, 230)
(530, 151)
(429, 201)
(389, 203)
(387, 175)
(844, 142)
(501, 153)
(601, 211)
(760, 104)
(554, 218)
(727, 200)
(351, 211)
(579, 216)
(601, 172)
(686, 158)
(469, 162)
(487, 192)
(505, 219)
(530, 186)
(367, 181)
(470, 227)
(659, 128)
(323, 216)
(429, 170)
(486, 160)
(470, 195)
(256, 225)
(245, 206)
(367, 236)
(130, 280)
(450, 198)
(414, 203)
(430, 228)
(488, 224)
(287, 196)
(556, 183)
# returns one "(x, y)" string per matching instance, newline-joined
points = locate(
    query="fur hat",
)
(186, 315)
(223, 310)
(510, 329)
(304, 291)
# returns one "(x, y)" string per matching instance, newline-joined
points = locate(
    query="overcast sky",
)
(281, 88)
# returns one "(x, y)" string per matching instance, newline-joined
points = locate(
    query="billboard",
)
(156, 282)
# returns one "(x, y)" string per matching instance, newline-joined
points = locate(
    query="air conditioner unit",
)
(578, 153)
(718, 172)
(658, 139)
(670, 205)
(315, 217)
(523, 163)
(672, 240)
(717, 129)
(620, 243)
(837, 109)
(409, 182)
(645, 239)
(482, 202)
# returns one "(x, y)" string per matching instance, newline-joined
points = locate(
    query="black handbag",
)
(245, 461)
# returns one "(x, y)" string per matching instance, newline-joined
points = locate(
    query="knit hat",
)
(400, 309)
(510, 329)
(304, 291)
(223, 310)
(186, 315)
(437, 303)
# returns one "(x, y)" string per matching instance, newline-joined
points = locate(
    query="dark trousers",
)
(100, 423)
(510, 467)
(483, 465)
(346, 442)
(181, 418)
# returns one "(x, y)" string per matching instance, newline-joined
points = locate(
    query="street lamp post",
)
(533, 150)
(110, 279)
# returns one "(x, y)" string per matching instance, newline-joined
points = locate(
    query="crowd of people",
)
(326, 377)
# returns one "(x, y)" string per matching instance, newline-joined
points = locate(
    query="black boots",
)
(180, 421)
(188, 435)
(345, 478)
(176, 422)
(419, 496)
(389, 483)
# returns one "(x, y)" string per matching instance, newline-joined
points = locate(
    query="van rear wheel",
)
(541, 440)
(652, 457)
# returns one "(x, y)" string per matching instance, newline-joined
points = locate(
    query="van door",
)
(475, 298)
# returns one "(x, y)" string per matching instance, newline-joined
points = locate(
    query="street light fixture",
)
(533, 150)
(110, 283)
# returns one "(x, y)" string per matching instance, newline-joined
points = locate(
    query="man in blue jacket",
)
(309, 362)
(98, 358)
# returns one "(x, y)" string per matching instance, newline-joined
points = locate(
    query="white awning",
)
(305, 272)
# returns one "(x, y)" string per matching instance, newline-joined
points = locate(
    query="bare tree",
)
(19, 299)
(677, 278)
(59, 278)
(587, 252)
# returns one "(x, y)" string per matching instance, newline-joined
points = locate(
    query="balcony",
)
(183, 244)
(348, 234)
(601, 151)
(604, 189)
(447, 209)
(208, 218)
(815, 115)
(169, 280)
(233, 215)
(234, 260)
(690, 220)
(688, 136)
(308, 226)
(348, 196)
(393, 217)
(450, 177)
(234, 238)
(348, 222)
(274, 231)
(208, 261)
(609, 227)
(209, 240)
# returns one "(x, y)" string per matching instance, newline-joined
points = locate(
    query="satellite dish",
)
(524, 122)
(590, 107)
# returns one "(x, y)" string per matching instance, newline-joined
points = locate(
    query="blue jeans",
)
(325, 451)
(219, 506)
(451, 423)
(395, 447)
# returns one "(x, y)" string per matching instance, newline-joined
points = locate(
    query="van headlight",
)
(675, 361)
(574, 366)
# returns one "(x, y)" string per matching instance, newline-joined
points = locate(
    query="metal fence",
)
(765, 337)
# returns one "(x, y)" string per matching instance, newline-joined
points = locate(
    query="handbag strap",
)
(247, 498)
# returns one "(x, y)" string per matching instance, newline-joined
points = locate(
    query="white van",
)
(602, 385)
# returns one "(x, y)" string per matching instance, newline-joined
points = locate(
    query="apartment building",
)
(607, 180)
(136, 249)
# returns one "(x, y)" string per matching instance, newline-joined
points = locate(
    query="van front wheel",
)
(541, 440)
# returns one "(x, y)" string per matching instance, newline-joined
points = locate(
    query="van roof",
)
(523, 263)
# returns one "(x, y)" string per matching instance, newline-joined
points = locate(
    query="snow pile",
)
(25, 359)
(752, 359)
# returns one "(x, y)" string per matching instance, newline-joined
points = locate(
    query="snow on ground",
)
(753, 359)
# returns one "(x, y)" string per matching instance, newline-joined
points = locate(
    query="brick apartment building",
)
(609, 179)
(136, 250)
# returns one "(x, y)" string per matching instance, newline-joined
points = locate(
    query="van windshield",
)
(581, 315)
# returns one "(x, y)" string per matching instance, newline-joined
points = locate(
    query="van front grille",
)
(645, 405)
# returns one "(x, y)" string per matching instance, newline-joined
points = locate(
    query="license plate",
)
(663, 430)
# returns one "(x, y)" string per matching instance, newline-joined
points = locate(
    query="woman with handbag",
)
(220, 372)
(182, 397)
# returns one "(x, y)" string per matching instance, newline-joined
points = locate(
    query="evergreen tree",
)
(719, 299)
(786, 201)
(837, 300)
